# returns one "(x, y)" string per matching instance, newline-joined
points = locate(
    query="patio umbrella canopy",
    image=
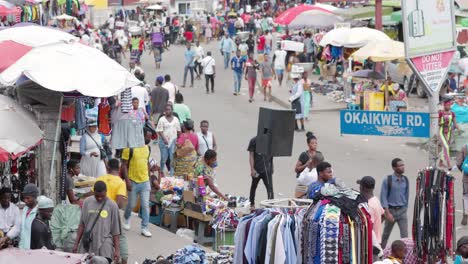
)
(10, 52)
(368, 74)
(68, 67)
(381, 50)
(289, 15)
(315, 19)
(35, 36)
(352, 37)
(19, 133)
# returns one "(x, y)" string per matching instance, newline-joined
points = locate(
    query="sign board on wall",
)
(379, 123)
(430, 38)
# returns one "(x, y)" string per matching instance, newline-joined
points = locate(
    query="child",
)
(462, 251)
(398, 253)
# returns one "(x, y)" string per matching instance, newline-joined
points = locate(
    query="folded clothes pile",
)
(192, 254)
(224, 218)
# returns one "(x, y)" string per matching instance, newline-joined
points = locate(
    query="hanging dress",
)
(90, 165)
(446, 123)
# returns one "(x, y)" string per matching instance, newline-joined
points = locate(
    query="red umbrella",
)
(10, 52)
(5, 11)
(289, 15)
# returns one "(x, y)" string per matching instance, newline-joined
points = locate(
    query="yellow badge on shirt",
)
(104, 214)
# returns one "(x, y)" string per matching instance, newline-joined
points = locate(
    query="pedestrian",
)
(279, 61)
(208, 32)
(117, 192)
(251, 43)
(366, 187)
(206, 138)
(244, 50)
(186, 151)
(73, 170)
(309, 47)
(168, 128)
(296, 99)
(209, 69)
(182, 110)
(308, 175)
(307, 96)
(251, 67)
(135, 170)
(394, 196)
(461, 252)
(170, 87)
(398, 253)
(140, 92)
(237, 66)
(261, 44)
(159, 98)
(462, 164)
(199, 55)
(30, 194)
(268, 74)
(261, 168)
(99, 228)
(157, 41)
(227, 47)
(41, 236)
(92, 164)
(10, 218)
(447, 125)
(324, 175)
(189, 64)
(268, 42)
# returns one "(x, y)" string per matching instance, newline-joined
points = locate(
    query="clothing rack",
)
(434, 218)
(287, 203)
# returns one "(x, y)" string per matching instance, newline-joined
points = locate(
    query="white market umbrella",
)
(352, 37)
(315, 19)
(65, 17)
(155, 7)
(20, 131)
(35, 36)
(381, 50)
(463, 64)
(69, 67)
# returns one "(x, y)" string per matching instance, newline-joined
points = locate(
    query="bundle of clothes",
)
(224, 218)
(434, 216)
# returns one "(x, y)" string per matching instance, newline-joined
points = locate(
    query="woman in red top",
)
(188, 36)
(186, 151)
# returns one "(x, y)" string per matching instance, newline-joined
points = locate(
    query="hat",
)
(160, 79)
(30, 190)
(462, 241)
(367, 182)
(44, 202)
(91, 122)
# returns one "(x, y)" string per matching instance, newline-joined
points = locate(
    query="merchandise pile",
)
(434, 216)
(192, 254)
(172, 188)
(224, 218)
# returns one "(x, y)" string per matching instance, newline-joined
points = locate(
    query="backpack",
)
(157, 38)
(389, 184)
(464, 167)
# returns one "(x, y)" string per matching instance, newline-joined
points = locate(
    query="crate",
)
(223, 238)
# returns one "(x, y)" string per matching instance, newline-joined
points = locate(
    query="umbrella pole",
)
(56, 139)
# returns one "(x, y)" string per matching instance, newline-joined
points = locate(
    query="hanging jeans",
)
(186, 69)
(401, 218)
(251, 82)
(143, 191)
(227, 59)
(237, 81)
(267, 180)
(167, 154)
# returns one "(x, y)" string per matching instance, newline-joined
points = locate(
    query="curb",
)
(287, 105)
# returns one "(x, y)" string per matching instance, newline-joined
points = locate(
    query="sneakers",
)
(464, 220)
(145, 232)
(126, 224)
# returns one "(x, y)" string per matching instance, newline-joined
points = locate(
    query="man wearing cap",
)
(30, 194)
(366, 187)
(41, 236)
(462, 251)
(159, 98)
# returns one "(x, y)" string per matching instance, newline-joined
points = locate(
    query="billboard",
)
(379, 123)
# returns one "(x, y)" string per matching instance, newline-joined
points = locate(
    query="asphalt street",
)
(233, 121)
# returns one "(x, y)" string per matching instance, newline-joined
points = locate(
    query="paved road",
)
(234, 121)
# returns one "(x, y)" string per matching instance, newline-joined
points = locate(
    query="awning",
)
(366, 12)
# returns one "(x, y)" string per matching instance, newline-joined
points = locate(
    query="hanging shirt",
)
(104, 118)
(27, 217)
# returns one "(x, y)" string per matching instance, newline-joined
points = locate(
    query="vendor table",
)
(201, 221)
(174, 215)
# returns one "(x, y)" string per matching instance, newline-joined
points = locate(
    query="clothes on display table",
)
(434, 216)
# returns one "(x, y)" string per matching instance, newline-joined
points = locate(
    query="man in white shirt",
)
(10, 218)
(141, 93)
(134, 68)
(170, 87)
(209, 70)
(199, 54)
(279, 62)
(111, 22)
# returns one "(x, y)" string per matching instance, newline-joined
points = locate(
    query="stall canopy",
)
(315, 19)
(10, 52)
(289, 15)
(70, 67)
(35, 36)
(352, 37)
(367, 12)
(19, 132)
(380, 51)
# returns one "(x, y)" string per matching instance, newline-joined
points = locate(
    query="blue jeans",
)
(237, 81)
(227, 59)
(143, 189)
(186, 70)
(167, 152)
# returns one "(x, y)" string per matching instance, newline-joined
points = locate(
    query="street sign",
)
(379, 123)
(433, 68)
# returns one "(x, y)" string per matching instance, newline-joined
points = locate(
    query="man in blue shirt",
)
(324, 175)
(226, 46)
(394, 198)
(189, 64)
(237, 66)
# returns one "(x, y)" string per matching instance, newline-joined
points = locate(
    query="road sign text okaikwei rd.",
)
(377, 123)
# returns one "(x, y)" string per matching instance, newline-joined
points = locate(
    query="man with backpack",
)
(462, 164)
(394, 197)
(135, 171)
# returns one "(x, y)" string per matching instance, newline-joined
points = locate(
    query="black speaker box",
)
(275, 133)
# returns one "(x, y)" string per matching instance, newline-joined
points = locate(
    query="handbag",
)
(87, 239)
(102, 152)
(184, 149)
